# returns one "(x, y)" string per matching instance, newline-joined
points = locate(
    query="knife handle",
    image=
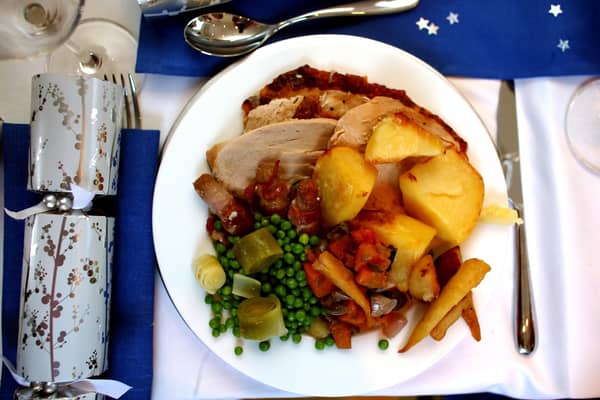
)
(525, 320)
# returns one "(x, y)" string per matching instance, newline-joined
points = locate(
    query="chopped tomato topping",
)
(319, 284)
(371, 279)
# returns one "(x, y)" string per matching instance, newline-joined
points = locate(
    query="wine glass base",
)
(98, 48)
(582, 124)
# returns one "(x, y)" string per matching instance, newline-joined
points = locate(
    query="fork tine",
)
(126, 99)
(134, 101)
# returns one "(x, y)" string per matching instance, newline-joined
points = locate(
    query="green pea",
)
(218, 225)
(208, 299)
(257, 216)
(286, 225)
(303, 257)
(290, 271)
(257, 225)
(266, 288)
(301, 275)
(275, 219)
(216, 332)
(233, 239)
(304, 239)
(234, 264)
(300, 315)
(280, 234)
(272, 229)
(229, 323)
(236, 331)
(220, 248)
(298, 303)
(329, 341)
(296, 338)
(284, 338)
(287, 248)
(214, 323)
(314, 240)
(297, 248)
(280, 291)
(292, 234)
(315, 311)
(226, 290)
(216, 308)
(280, 274)
(291, 283)
(319, 344)
(264, 346)
(238, 350)
(383, 344)
(289, 299)
(230, 255)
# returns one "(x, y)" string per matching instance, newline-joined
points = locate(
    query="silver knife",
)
(508, 148)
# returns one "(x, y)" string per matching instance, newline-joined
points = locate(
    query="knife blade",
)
(508, 149)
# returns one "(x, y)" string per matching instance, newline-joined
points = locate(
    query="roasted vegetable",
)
(245, 286)
(261, 318)
(257, 251)
(209, 273)
(343, 278)
(469, 275)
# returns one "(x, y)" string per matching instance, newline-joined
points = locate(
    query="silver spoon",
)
(228, 35)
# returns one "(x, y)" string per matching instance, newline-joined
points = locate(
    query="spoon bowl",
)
(228, 35)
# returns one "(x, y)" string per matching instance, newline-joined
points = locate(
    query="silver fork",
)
(133, 118)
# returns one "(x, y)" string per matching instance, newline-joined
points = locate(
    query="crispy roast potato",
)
(345, 182)
(468, 276)
(445, 192)
(397, 137)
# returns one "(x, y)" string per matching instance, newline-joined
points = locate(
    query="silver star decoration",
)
(555, 10)
(452, 18)
(422, 23)
(563, 45)
(432, 29)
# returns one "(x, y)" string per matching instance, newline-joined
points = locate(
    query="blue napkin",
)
(500, 39)
(131, 330)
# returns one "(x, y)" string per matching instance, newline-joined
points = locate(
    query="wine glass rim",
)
(582, 159)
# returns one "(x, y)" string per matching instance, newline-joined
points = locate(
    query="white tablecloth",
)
(561, 199)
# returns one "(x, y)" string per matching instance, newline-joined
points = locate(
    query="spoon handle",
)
(359, 8)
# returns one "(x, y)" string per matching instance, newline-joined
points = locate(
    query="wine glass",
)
(99, 48)
(582, 124)
(29, 28)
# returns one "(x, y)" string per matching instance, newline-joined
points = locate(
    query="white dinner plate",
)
(179, 215)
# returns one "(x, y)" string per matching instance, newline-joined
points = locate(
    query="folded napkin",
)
(131, 330)
(491, 39)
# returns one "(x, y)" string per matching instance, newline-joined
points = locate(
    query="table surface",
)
(551, 372)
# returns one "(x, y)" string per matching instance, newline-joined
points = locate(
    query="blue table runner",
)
(132, 310)
(500, 39)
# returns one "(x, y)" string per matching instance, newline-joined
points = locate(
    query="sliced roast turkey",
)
(296, 143)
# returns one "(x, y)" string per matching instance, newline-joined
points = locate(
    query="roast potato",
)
(397, 137)
(445, 192)
(345, 181)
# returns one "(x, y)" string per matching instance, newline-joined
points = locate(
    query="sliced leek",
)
(261, 318)
(245, 286)
(257, 251)
(209, 273)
